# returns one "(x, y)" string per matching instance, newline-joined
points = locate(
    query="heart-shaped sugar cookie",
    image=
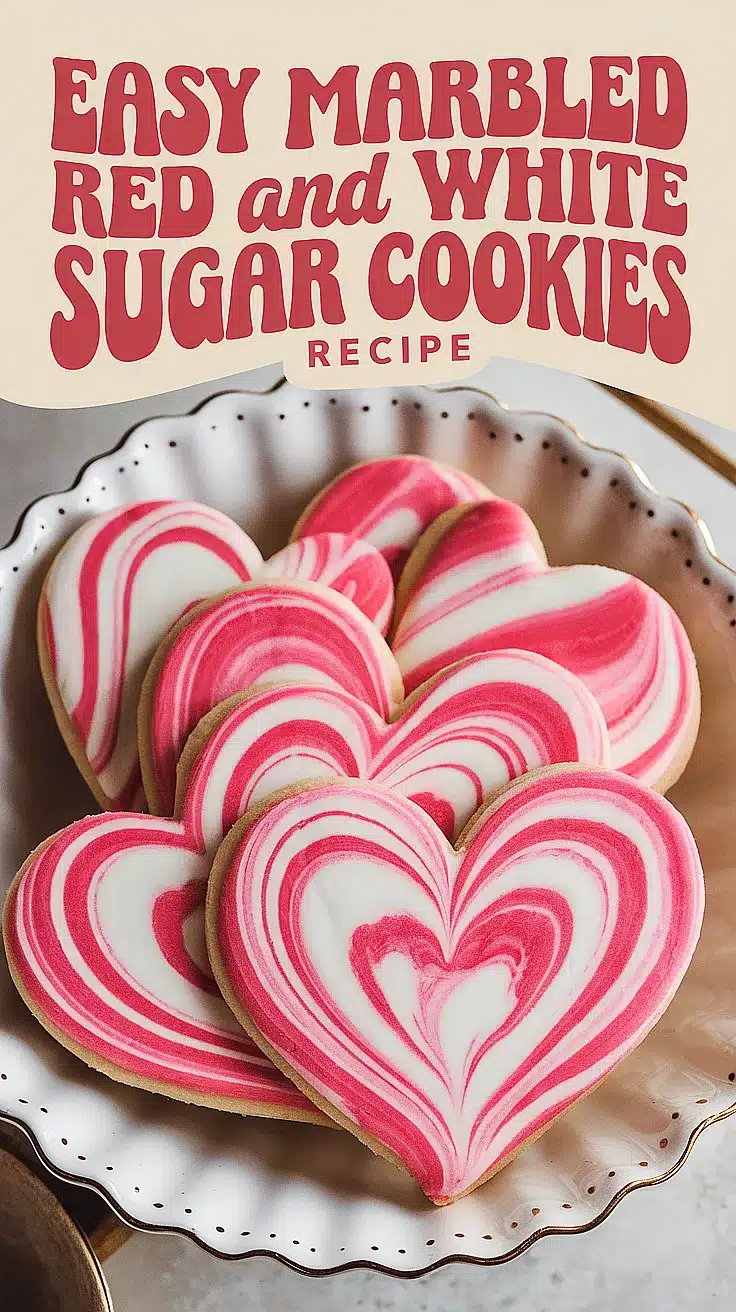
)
(119, 584)
(120, 975)
(104, 935)
(447, 1005)
(478, 580)
(389, 502)
(261, 633)
(459, 739)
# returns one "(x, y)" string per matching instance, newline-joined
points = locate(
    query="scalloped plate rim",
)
(705, 542)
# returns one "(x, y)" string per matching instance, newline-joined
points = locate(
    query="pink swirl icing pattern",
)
(389, 502)
(478, 725)
(262, 633)
(120, 583)
(105, 935)
(485, 584)
(449, 1005)
(105, 926)
(351, 567)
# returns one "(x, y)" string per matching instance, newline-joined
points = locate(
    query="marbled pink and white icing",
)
(449, 1005)
(105, 928)
(104, 933)
(261, 633)
(480, 724)
(485, 585)
(126, 576)
(355, 569)
(389, 502)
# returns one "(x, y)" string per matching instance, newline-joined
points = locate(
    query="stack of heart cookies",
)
(383, 843)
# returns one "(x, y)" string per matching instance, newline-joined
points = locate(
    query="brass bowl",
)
(46, 1264)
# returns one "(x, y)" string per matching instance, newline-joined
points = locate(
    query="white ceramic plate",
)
(315, 1197)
